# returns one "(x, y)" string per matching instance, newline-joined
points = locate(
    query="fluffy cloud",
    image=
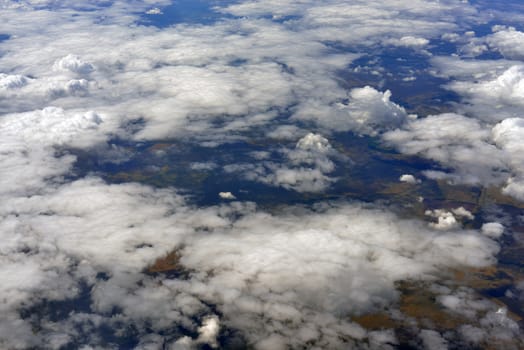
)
(31, 143)
(226, 195)
(409, 41)
(508, 41)
(256, 277)
(291, 279)
(368, 112)
(496, 99)
(362, 22)
(74, 64)
(455, 141)
(12, 81)
(492, 229)
(305, 168)
(408, 178)
(508, 135)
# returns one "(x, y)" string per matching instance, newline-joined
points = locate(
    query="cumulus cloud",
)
(362, 22)
(475, 152)
(455, 141)
(260, 262)
(408, 178)
(74, 64)
(368, 266)
(447, 220)
(508, 135)
(409, 41)
(494, 99)
(12, 81)
(31, 142)
(154, 11)
(368, 112)
(226, 195)
(291, 279)
(189, 81)
(508, 41)
(492, 229)
(305, 168)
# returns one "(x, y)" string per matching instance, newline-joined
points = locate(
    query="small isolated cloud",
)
(409, 41)
(447, 220)
(208, 332)
(492, 229)
(227, 195)
(408, 178)
(154, 11)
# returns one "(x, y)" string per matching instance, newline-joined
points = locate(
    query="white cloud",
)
(74, 64)
(477, 153)
(408, 41)
(508, 41)
(226, 195)
(287, 280)
(497, 99)
(492, 229)
(508, 135)
(464, 144)
(349, 257)
(447, 220)
(408, 178)
(154, 11)
(368, 112)
(305, 168)
(12, 81)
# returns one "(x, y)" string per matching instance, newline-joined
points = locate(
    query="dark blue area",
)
(396, 67)
(185, 11)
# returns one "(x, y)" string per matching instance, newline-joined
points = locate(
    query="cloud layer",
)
(87, 77)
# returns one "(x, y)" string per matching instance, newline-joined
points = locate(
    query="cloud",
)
(226, 195)
(362, 22)
(12, 81)
(447, 220)
(432, 340)
(409, 41)
(492, 229)
(267, 283)
(272, 280)
(508, 135)
(508, 41)
(154, 11)
(408, 178)
(74, 64)
(475, 152)
(305, 168)
(494, 100)
(31, 143)
(455, 141)
(349, 256)
(368, 112)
